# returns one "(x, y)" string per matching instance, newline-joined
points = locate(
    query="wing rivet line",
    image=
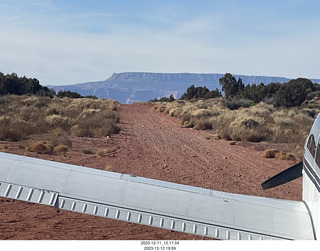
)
(117, 214)
(139, 218)
(205, 231)
(194, 228)
(161, 222)
(19, 192)
(41, 196)
(172, 224)
(95, 210)
(227, 235)
(52, 199)
(8, 190)
(73, 206)
(135, 216)
(216, 233)
(30, 194)
(106, 212)
(62, 204)
(183, 226)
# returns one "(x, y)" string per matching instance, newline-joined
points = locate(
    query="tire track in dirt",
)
(159, 148)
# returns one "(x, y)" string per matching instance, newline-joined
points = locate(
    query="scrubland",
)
(255, 123)
(23, 116)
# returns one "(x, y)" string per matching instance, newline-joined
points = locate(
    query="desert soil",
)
(152, 145)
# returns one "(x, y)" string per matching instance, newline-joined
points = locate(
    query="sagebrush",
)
(21, 116)
(259, 122)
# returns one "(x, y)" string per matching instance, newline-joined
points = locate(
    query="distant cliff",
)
(130, 87)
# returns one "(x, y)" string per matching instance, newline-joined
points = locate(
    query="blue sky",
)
(74, 41)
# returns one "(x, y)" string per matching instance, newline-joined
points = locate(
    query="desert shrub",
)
(246, 122)
(203, 124)
(42, 147)
(261, 109)
(4, 148)
(273, 153)
(88, 151)
(185, 121)
(205, 113)
(61, 149)
(270, 153)
(4, 100)
(108, 168)
(283, 121)
(95, 127)
(260, 122)
(234, 104)
(285, 156)
(57, 121)
(309, 112)
(4, 127)
(58, 131)
(13, 129)
(14, 135)
(102, 152)
(25, 115)
(245, 134)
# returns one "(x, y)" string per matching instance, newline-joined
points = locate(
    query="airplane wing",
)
(176, 207)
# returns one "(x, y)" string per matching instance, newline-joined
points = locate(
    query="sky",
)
(75, 41)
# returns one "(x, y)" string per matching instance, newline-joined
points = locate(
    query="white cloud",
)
(71, 54)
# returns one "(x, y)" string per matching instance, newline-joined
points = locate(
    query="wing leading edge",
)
(150, 202)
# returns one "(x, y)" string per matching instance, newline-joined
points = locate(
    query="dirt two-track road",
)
(151, 145)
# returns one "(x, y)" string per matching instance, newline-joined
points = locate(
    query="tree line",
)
(290, 94)
(193, 93)
(13, 84)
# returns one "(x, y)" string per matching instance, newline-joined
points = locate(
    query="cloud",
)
(59, 47)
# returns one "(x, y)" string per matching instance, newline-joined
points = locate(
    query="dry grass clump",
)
(273, 153)
(270, 153)
(108, 168)
(4, 148)
(41, 147)
(59, 145)
(61, 149)
(102, 152)
(21, 116)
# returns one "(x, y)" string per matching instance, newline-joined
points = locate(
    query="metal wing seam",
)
(28, 194)
(169, 222)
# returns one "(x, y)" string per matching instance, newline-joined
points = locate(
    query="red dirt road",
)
(151, 145)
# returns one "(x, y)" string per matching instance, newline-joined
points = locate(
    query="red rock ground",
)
(151, 145)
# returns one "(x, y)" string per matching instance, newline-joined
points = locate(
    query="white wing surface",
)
(151, 202)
